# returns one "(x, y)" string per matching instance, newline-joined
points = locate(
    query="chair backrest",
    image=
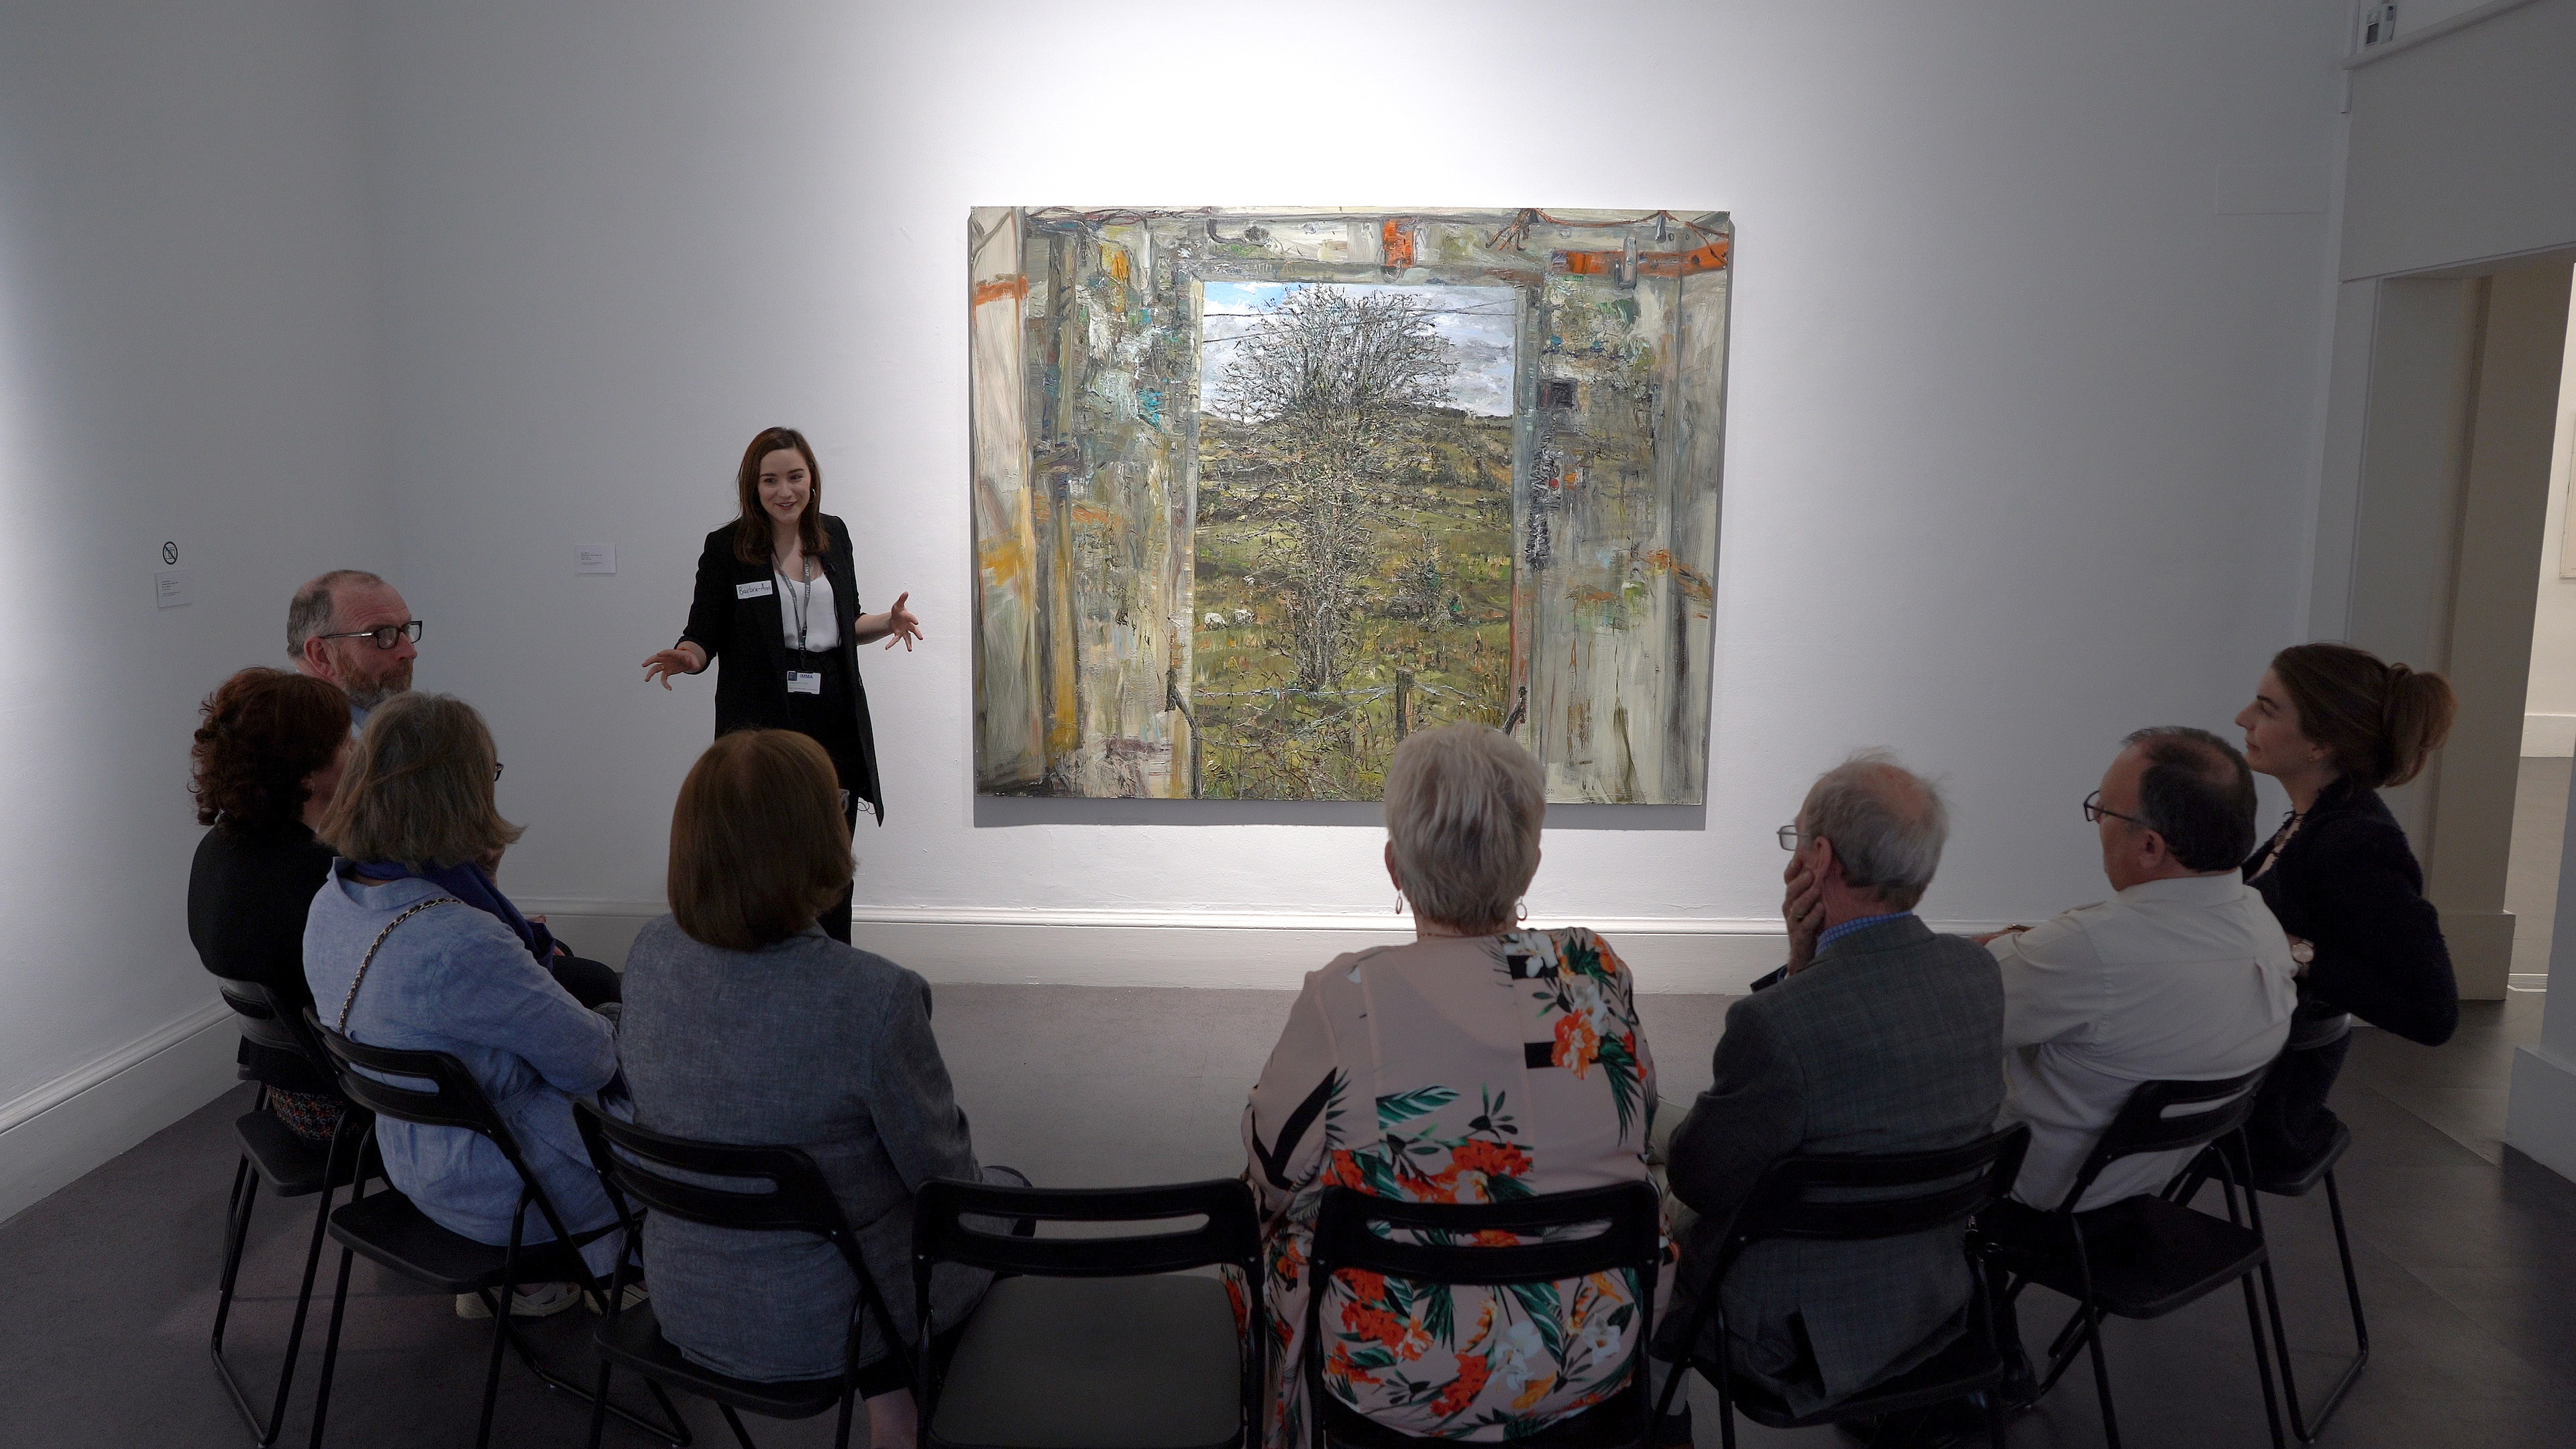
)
(1346, 1237)
(2147, 1122)
(641, 1162)
(1231, 1234)
(1817, 1197)
(264, 1023)
(452, 1099)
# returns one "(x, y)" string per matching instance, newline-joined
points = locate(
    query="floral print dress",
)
(1451, 1070)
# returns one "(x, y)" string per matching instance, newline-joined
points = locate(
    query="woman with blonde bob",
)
(1480, 1063)
(456, 969)
(744, 1023)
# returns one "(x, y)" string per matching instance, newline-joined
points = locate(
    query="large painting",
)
(1257, 493)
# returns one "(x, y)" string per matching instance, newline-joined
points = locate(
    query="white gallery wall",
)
(2549, 710)
(2030, 312)
(2025, 369)
(187, 356)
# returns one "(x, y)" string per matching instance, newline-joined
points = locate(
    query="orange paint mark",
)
(1583, 264)
(1013, 287)
(1396, 237)
(1710, 258)
(1118, 264)
(1005, 564)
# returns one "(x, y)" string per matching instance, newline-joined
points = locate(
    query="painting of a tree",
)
(1334, 389)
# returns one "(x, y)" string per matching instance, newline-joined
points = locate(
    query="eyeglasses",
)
(386, 636)
(496, 772)
(1789, 837)
(2093, 812)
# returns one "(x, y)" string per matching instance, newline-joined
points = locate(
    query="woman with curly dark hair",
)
(267, 758)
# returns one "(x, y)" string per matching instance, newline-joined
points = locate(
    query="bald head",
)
(1886, 823)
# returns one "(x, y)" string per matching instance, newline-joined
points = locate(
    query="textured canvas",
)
(1257, 493)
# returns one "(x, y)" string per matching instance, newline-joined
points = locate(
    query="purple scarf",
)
(469, 884)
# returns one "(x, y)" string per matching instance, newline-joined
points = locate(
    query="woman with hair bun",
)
(2335, 725)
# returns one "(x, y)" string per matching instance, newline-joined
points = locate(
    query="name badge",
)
(802, 682)
(752, 591)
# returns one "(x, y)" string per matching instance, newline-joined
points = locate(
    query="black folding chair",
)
(2299, 1182)
(1111, 1334)
(290, 1167)
(392, 1232)
(1862, 1198)
(771, 1189)
(2149, 1255)
(1352, 1234)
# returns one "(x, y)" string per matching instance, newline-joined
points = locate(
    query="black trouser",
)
(2292, 1126)
(591, 983)
(832, 719)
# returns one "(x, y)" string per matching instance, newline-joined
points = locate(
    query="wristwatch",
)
(2302, 952)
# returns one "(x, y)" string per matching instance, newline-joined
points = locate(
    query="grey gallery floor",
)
(2467, 1251)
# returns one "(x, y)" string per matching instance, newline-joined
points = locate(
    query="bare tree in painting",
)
(1332, 385)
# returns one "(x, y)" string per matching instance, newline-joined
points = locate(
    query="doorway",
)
(2549, 714)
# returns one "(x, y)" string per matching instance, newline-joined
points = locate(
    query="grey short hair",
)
(1463, 809)
(309, 612)
(1887, 824)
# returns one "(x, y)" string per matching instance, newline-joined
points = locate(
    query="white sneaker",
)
(537, 1300)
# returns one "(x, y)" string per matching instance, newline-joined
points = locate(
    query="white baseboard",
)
(1259, 950)
(2548, 734)
(2540, 1117)
(79, 1120)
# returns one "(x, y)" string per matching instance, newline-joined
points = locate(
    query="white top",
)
(811, 602)
(2185, 979)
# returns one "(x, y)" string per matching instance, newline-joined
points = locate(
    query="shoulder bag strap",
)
(360, 979)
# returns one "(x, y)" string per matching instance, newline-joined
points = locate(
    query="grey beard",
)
(376, 694)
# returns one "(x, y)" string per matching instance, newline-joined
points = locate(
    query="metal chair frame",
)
(2144, 1125)
(454, 1099)
(2301, 1427)
(265, 1022)
(1922, 1192)
(1631, 1241)
(1231, 1237)
(636, 1163)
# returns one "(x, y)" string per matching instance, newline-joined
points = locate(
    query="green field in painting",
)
(1431, 635)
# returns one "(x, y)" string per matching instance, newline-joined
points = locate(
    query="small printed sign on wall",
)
(172, 589)
(594, 558)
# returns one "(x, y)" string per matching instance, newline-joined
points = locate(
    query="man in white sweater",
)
(2181, 974)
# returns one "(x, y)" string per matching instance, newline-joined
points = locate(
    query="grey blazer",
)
(805, 1043)
(1890, 1041)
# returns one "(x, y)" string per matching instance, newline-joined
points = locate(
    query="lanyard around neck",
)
(804, 604)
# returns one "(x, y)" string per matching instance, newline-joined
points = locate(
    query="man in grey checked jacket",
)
(1878, 1036)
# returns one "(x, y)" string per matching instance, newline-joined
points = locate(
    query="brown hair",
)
(751, 536)
(261, 733)
(758, 845)
(2379, 721)
(418, 791)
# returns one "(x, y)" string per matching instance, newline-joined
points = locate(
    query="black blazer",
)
(2348, 884)
(744, 639)
(248, 890)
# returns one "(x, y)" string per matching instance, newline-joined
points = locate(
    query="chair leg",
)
(295, 1329)
(2262, 1362)
(849, 1403)
(331, 1348)
(2102, 1379)
(599, 1403)
(733, 1421)
(2360, 1325)
(236, 1233)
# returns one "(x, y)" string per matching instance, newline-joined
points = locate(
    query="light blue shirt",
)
(1857, 923)
(454, 979)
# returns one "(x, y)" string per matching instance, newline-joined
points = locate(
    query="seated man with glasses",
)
(2182, 974)
(350, 628)
(1879, 1036)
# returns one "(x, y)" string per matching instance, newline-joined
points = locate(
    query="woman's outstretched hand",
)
(686, 659)
(901, 625)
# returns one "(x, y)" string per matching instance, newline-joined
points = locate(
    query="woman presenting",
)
(778, 601)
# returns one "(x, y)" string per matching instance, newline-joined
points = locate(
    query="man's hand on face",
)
(1802, 909)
